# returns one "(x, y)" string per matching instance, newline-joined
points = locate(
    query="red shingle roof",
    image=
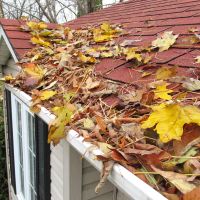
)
(144, 20)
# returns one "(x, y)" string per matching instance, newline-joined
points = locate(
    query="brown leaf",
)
(147, 98)
(133, 129)
(178, 180)
(117, 156)
(190, 137)
(107, 167)
(101, 123)
(143, 149)
(192, 195)
(171, 196)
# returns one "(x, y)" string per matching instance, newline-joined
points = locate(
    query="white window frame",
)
(25, 141)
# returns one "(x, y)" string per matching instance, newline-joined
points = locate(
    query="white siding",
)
(10, 68)
(90, 179)
(4, 52)
(122, 196)
(56, 162)
(84, 183)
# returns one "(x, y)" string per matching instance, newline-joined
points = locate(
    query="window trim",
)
(9, 129)
(25, 140)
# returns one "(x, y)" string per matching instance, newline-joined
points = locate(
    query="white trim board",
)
(123, 179)
(3, 34)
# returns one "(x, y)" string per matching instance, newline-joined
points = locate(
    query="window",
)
(29, 152)
(24, 150)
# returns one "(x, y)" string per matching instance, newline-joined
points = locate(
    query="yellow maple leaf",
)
(104, 33)
(7, 78)
(57, 127)
(165, 73)
(36, 57)
(165, 41)
(170, 119)
(102, 38)
(40, 41)
(162, 92)
(33, 70)
(86, 59)
(106, 27)
(106, 54)
(47, 94)
(36, 25)
(132, 54)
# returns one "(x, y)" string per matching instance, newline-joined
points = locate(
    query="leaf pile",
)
(153, 131)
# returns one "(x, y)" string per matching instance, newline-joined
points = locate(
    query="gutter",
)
(123, 179)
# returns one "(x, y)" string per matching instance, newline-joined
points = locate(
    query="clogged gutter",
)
(153, 131)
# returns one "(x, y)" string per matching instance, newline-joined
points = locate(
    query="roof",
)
(144, 20)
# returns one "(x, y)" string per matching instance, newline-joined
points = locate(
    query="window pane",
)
(19, 118)
(20, 150)
(22, 179)
(32, 155)
(32, 162)
(32, 194)
(20, 147)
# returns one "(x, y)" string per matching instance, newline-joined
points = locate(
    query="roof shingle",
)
(143, 20)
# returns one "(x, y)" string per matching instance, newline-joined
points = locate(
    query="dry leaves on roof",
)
(136, 127)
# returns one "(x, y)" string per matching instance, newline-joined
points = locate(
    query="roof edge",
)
(6, 39)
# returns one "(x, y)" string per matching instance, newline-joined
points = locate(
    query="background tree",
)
(55, 11)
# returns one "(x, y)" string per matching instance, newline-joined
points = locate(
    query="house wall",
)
(82, 171)
(10, 68)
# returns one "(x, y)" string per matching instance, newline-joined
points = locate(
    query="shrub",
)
(3, 169)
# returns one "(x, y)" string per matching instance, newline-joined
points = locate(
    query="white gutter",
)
(123, 179)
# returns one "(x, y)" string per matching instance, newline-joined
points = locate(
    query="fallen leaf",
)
(191, 152)
(91, 84)
(33, 74)
(178, 180)
(86, 59)
(143, 149)
(132, 54)
(190, 137)
(165, 41)
(106, 54)
(107, 167)
(197, 59)
(171, 196)
(101, 123)
(144, 74)
(36, 25)
(57, 127)
(88, 124)
(191, 84)
(104, 147)
(47, 94)
(147, 98)
(7, 78)
(133, 130)
(170, 119)
(191, 165)
(192, 195)
(162, 92)
(165, 72)
(40, 41)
